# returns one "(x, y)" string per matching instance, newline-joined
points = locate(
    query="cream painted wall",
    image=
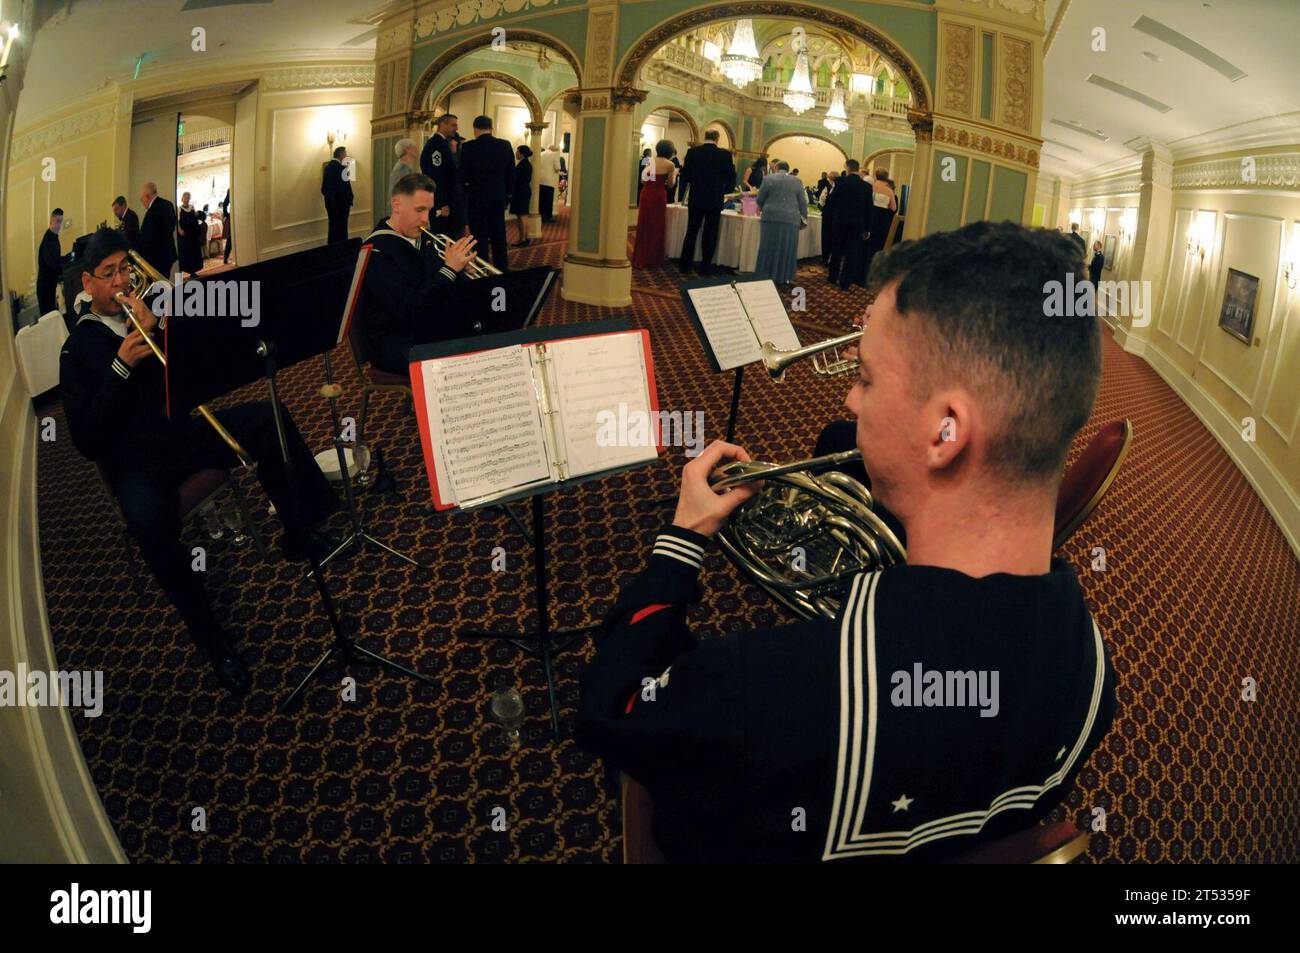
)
(78, 148)
(1228, 383)
(290, 150)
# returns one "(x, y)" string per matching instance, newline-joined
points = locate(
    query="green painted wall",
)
(569, 28)
(1008, 202)
(945, 197)
(590, 181)
(978, 193)
(545, 84)
(382, 161)
(986, 75)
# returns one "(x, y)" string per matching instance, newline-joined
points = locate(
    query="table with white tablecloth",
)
(738, 237)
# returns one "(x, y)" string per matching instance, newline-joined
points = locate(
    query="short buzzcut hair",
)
(482, 122)
(340, 152)
(974, 304)
(852, 165)
(711, 135)
(444, 117)
(120, 200)
(400, 147)
(57, 211)
(106, 241)
(415, 182)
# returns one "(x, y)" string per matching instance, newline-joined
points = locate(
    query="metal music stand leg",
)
(345, 649)
(357, 535)
(542, 644)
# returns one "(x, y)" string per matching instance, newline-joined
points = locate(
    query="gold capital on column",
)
(922, 125)
(627, 98)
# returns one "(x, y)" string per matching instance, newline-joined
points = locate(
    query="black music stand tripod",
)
(543, 644)
(357, 535)
(344, 647)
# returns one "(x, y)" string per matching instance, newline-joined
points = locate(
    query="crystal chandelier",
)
(740, 64)
(837, 120)
(799, 95)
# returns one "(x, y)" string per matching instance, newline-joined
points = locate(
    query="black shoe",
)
(314, 543)
(231, 671)
(685, 268)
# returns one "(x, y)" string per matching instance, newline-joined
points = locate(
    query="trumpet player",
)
(956, 696)
(113, 395)
(403, 274)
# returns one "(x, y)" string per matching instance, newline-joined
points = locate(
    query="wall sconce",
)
(1289, 274)
(336, 135)
(1098, 222)
(1199, 237)
(1076, 216)
(9, 39)
(1128, 225)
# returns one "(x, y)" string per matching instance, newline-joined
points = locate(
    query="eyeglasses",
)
(120, 270)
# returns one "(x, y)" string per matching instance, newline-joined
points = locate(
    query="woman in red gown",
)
(660, 178)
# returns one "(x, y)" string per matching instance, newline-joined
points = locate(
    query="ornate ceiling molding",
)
(989, 143)
(420, 91)
(641, 53)
(458, 14)
(1120, 185)
(80, 124)
(320, 77)
(1024, 8)
(1271, 171)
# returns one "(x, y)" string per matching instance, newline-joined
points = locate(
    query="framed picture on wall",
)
(1237, 316)
(1108, 251)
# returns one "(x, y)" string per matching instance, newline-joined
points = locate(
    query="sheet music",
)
(767, 312)
(485, 420)
(729, 333)
(601, 389)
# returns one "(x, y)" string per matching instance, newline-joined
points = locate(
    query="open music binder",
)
(735, 318)
(505, 414)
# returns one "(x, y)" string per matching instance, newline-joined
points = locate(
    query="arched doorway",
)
(726, 138)
(420, 89)
(810, 153)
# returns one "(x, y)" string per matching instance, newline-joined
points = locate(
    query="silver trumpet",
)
(477, 267)
(828, 361)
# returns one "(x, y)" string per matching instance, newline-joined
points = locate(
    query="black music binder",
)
(491, 305)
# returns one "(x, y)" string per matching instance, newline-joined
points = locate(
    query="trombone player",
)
(955, 697)
(113, 394)
(403, 275)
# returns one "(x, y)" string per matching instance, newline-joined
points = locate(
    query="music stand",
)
(326, 281)
(544, 643)
(220, 354)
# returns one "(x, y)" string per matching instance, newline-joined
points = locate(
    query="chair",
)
(373, 381)
(638, 813)
(1087, 481)
(1054, 842)
(1058, 842)
(194, 491)
(38, 346)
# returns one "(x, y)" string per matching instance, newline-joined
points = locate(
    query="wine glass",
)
(361, 462)
(211, 523)
(508, 709)
(235, 523)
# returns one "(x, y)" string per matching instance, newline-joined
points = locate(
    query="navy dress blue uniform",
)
(849, 209)
(117, 418)
(337, 191)
(821, 740)
(400, 282)
(438, 162)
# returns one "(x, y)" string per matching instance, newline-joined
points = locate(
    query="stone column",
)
(918, 202)
(1149, 246)
(533, 220)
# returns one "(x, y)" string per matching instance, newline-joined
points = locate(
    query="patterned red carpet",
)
(1200, 592)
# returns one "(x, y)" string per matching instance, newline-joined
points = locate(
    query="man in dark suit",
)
(487, 169)
(849, 208)
(1075, 237)
(336, 186)
(439, 161)
(130, 221)
(49, 264)
(708, 174)
(157, 230)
